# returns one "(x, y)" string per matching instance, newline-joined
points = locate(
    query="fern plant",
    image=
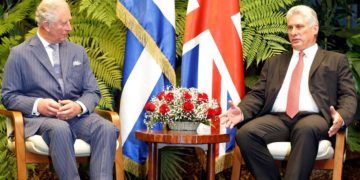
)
(264, 26)
(103, 35)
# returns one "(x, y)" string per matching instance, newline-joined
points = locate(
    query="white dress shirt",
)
(306, 101)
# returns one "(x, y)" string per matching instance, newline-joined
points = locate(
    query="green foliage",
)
(15, 15)
(329, 13)
(353, 55)
(353, 139)
(172, 160)
(107, 99)
(264, 26)
(8, 165)
(180, 11)
(6, 44)
(14, 20)
(103, 36)
(101, 10)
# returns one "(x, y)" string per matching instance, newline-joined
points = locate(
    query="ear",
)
(46, 26)
(315, 29)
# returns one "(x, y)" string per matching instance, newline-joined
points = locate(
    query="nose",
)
(68, 26)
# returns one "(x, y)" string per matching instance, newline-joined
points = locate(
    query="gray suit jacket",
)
(29, 75)
(330, 83)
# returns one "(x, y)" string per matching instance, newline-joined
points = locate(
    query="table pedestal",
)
(180, 137)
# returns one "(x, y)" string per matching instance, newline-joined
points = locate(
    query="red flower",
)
(164, 108)
(202, 97)
(161, 95)
(150, 107)
(187, 95)
(187, 107)
(210, 113)
(218, 110)
(213, 112)
(169, 97)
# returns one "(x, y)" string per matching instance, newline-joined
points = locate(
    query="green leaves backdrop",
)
(96, 27)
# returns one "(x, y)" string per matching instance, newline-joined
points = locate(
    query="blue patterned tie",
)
(57, 66)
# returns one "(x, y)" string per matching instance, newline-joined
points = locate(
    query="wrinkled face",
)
(301, 34)
(59, 30)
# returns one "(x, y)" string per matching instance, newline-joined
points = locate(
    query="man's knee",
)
(243, 135)
(106, 127)
(58, 128)
(57, 131)
(311, 126)
(307, 132)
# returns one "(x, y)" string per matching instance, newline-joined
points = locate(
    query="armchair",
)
(328, 158)
(35, 150)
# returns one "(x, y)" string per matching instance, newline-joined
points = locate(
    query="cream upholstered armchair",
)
(327, 157)
(35, 150)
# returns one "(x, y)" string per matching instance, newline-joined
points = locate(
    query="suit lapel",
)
(65, 59)
(40, 54)
(284, 67)
(319, 56)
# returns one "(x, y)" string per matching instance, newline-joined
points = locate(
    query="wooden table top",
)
(180, 137)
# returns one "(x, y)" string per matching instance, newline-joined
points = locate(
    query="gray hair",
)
(46, 11)
(307, 12)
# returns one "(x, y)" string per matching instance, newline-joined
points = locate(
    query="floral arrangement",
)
(181, 104)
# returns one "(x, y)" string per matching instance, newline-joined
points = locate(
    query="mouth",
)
(295, 40)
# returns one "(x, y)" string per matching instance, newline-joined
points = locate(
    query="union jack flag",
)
(212, 55)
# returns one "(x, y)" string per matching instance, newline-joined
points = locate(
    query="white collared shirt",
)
(306, 101)
(47, 47)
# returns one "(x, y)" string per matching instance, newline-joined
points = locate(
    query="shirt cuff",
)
(34, 110)
(83, 108)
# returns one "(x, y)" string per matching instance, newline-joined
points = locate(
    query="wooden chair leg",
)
(21, 168)
(339, 155)
(119, 169)
(237, 160)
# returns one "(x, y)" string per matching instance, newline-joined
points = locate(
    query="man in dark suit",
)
(49, 80)
(302, 96)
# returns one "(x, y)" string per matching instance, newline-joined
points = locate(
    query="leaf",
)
(172, 160)
(264, 28)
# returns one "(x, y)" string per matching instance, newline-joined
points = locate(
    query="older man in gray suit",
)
(49, 80)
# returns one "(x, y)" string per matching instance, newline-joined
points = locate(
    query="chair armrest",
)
(18, 125)
(340, 145)
(110, 115)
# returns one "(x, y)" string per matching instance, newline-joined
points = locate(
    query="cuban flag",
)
(148, 66)
(212, 55)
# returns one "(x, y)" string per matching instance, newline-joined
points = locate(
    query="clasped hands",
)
(63, 109)
(234, 116)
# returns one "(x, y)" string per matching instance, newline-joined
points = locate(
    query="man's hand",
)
(48, 107)
(68, 110)
(232, 116)
(337, 121)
